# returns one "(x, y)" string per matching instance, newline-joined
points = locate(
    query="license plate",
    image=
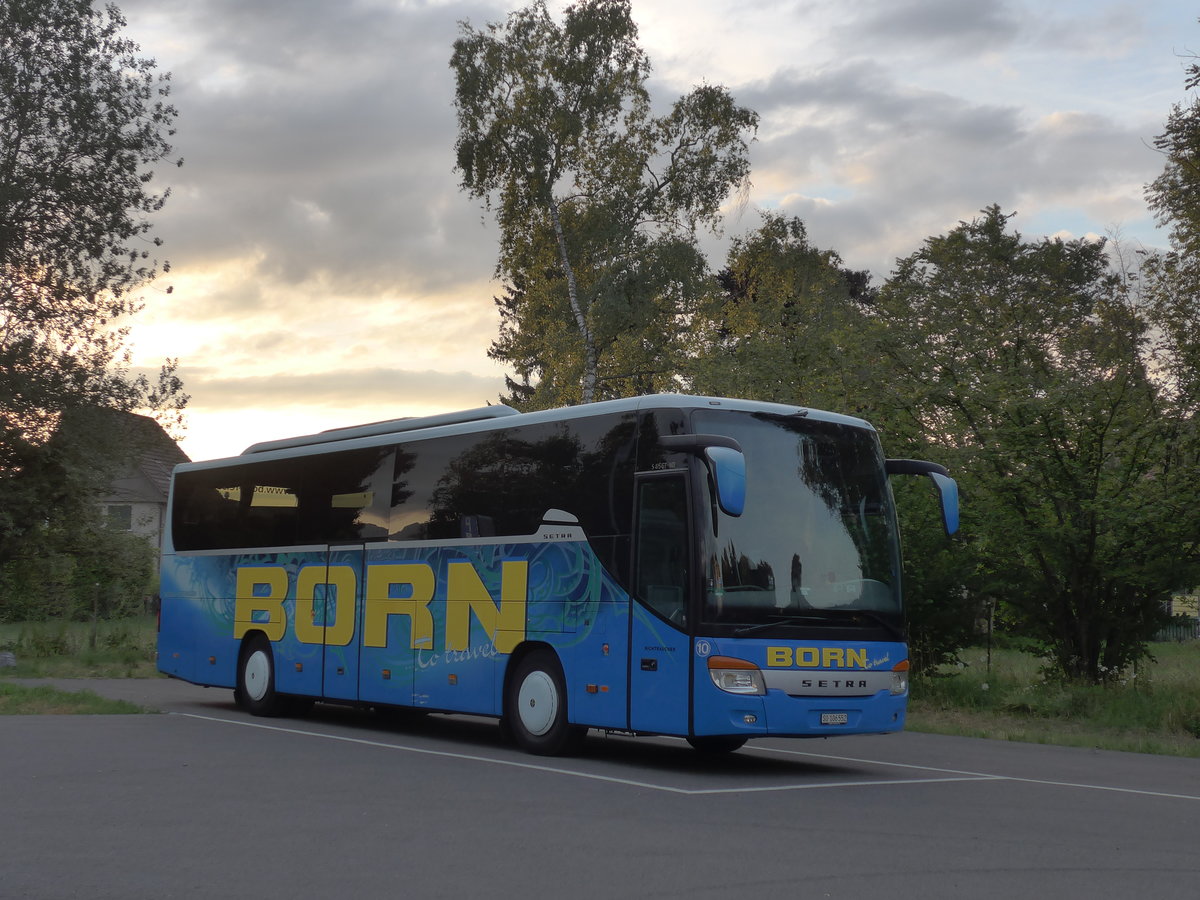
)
(835, 718)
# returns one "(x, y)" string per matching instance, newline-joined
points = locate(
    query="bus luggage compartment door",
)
(658, 676)
(341, 611)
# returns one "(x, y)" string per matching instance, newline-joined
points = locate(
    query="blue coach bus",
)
(708, 568)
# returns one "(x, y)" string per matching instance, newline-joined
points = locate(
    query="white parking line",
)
(828, 784)
(422, 750)
(574, 773)
(981, 775)
(950, 775)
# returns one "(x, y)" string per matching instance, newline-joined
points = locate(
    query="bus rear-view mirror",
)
(728, 467)
(947, 487)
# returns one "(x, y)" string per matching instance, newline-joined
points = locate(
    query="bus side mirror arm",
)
(946, 486)
(726, 464)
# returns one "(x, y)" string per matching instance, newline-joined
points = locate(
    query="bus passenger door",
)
(660, 649)
(338, 605)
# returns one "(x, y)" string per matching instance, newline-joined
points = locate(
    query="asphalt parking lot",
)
(203, 800)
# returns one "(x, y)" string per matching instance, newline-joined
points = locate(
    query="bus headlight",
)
(900, 678)
(736, 676)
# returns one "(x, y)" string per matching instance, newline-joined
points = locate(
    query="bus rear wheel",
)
(255, 690)
(535, 707)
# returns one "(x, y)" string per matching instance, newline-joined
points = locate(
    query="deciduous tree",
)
(83, 120)
(1024, 362)
(598, 200)
(787, 324)
(1169, 283)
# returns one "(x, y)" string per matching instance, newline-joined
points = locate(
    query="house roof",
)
(146, 477)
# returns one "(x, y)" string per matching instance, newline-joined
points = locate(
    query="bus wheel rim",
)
(258, 672)
(537, 702)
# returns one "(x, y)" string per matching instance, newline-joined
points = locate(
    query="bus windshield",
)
(817, 542)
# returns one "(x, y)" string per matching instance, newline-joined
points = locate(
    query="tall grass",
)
(1155, 709)
(116, 648)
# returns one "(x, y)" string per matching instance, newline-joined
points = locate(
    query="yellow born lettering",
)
(418, 579)
(248, 600)
(807, 657)
(465, 594)
(340, 584)
(817, 657)
(779, 656)
(392, 589)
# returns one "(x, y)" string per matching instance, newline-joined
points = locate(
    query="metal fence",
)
(1180, 630)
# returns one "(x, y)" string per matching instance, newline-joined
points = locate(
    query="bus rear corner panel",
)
(176, 640)
(778, 714)
(174, 656)
(183, 630)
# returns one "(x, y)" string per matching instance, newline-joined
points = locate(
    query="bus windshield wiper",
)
(879, 620)
(828, 617)
(786, 620)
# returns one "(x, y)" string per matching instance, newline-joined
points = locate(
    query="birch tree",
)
(598, 200)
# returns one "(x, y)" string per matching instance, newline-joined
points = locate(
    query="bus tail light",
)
(900, 678)
(736, 676)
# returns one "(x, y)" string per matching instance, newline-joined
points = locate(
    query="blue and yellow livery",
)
(708, 568)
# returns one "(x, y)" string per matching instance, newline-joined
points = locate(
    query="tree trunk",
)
(95, 616)
(589, 342)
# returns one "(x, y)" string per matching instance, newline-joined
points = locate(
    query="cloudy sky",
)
(328, 271)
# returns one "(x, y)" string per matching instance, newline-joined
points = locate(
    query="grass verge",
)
(22, 700)
(1153, 710)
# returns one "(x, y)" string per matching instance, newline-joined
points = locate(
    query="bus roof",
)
(489, 418)
(389, 426)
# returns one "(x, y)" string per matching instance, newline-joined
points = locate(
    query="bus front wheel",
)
(255, 690)
(535, 707)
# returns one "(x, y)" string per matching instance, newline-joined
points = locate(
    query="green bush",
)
(116, 648)
(108, 575)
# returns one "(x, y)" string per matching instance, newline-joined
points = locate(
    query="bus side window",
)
(662, 546)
